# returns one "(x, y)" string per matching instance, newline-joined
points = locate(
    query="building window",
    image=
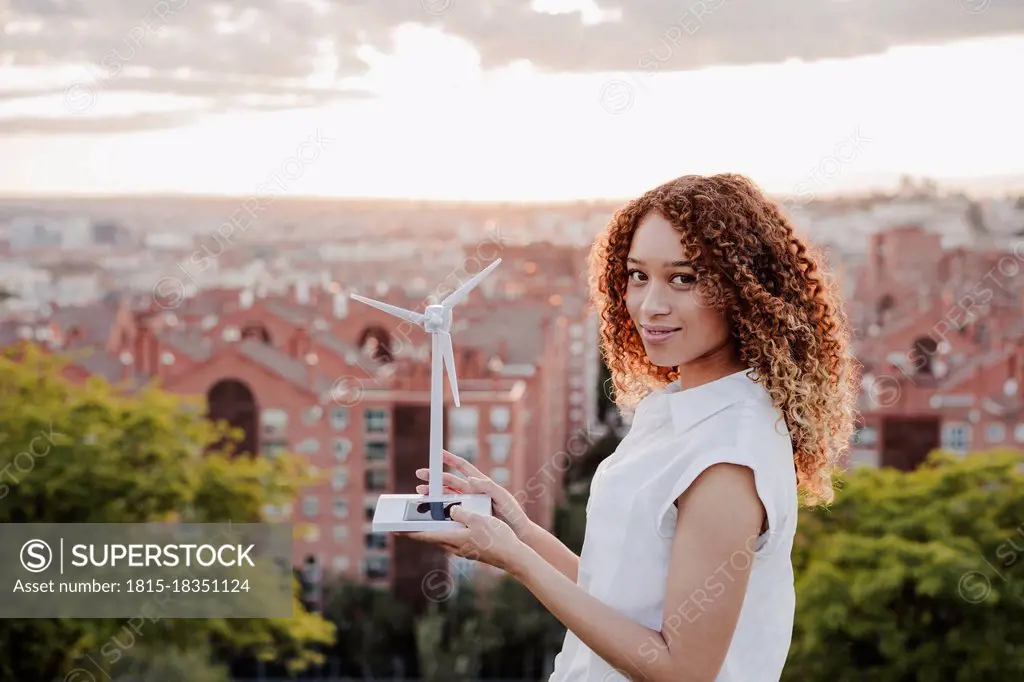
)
(465, 447)
(310, 506)
(576, 414)
(500, 418)
(340, 509)
(339, 478)
(342, 446)
(339, 418)
(376, 541)
(1018, 433)
(274, 422)
(956, 437)
(340, 533)
(340, 563)
(501, 445)
(376, 480)
(576, 398)
(500, 475)
(376, 567)
(463, 421)
(866, 436)
(376, 451)
(312, 415)
(376, 420)
(308, 446)
(370, 506)
(995, 433)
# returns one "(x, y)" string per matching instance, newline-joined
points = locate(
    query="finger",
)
(425, 490)
(461, 465)
(452, 481)
(464, 516)
(456, 537)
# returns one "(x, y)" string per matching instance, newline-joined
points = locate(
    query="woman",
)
(719, 327)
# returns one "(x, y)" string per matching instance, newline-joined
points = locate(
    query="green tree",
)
(96, 454)
(526, 633)
(914, 576)
(452, 637)
(170, 665)
(373, 628)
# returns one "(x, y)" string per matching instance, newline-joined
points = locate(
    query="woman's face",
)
(676, 324)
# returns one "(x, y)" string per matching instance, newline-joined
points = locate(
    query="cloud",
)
(700, 33)
(91, 125)
(260, 52)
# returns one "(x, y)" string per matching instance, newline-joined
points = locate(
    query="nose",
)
(655, 301)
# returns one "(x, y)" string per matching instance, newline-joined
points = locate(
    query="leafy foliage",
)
(452, 637)
(94, 454)
(373, 628)
(914, 576)
(171, 664)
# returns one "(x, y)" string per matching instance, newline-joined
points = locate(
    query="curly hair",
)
(784, 312)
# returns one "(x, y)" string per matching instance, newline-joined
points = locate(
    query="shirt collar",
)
(692, 406)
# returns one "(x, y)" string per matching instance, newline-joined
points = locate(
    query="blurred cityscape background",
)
(190, 192)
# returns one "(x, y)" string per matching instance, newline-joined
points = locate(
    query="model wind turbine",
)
(432, 512)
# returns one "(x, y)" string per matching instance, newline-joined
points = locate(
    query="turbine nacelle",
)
(437, 318)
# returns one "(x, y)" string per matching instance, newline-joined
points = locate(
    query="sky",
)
(503, 100)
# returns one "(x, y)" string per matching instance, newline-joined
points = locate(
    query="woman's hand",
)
(504, 505)
(485, 538)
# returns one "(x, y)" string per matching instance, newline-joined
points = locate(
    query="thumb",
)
(462, 515)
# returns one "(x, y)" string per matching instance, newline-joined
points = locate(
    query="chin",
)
(664, 357)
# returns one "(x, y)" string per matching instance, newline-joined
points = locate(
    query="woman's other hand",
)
(504, 505)
(486, 539)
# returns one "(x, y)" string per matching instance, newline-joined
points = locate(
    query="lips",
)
(657, 333)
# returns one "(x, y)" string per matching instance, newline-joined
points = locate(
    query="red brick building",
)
(941, 339)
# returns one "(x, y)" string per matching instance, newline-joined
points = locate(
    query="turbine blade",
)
(448, 355)
(460, 294)
(415, 318)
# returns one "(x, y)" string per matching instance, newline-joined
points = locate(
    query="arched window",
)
(882, 309)
(375, 343)
(232, 401)
(922, 354)
(257, 330)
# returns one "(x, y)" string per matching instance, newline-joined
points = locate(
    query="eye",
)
(684, 278)
(634, 275)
